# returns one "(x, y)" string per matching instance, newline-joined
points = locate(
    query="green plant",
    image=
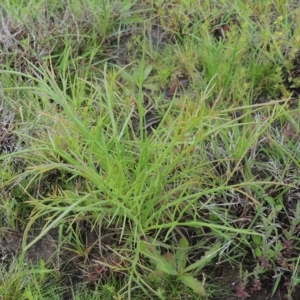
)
(176, 264)
(220, 166)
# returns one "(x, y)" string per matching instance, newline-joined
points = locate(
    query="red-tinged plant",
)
(241, 293)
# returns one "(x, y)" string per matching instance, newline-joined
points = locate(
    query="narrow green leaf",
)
(275, 286)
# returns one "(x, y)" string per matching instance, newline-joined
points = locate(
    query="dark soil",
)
(71, 266)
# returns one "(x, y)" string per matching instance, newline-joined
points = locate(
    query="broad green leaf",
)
(165, 266)
(257, 239)
(160, 262)
(258, 251)
(151, 252)
(193, 283)
(156, 276)
(181, 254)
(126, 76)
(270, 253)
(147, 71)
(183, 243)
(208, 256)
(155, 87)
(270, 200)
(160, 293)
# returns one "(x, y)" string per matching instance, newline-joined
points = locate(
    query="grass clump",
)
(146, 148)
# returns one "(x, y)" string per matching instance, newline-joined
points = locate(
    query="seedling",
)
(177, 264)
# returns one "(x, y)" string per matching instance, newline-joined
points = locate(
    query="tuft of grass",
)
(157, 140)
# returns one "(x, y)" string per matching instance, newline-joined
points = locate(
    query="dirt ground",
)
(70, 265)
